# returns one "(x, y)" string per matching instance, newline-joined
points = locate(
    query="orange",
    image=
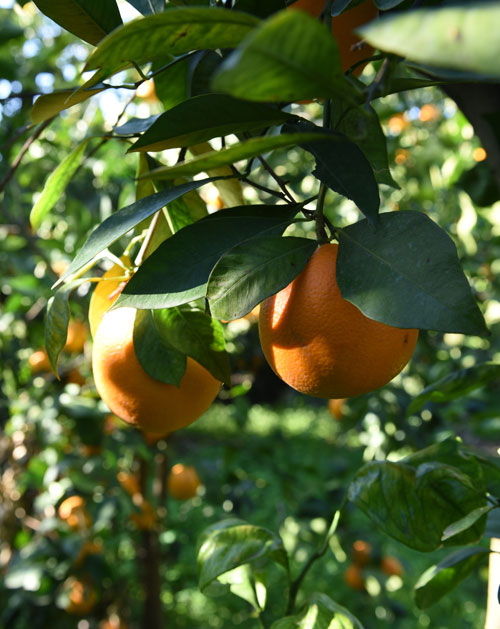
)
(73, 511)
(343, 27)
(361, 552)
(129, 482)
(391, 566)
(336, 408)
(75, 376)
(183, 481)
(39, 361)
(322, 345)
(152, 438)
(353, 576)
(82, 595)
(147, 91)
(77, 335)
(106, 293)
(134, 395)
(145, 520)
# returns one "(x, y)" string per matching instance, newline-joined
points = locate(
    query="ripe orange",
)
(129, 482)
(73, 511)
(147, 91)
(322, 345)
(39, 361)
(336, 408)
(391, 566)
(77, 335)
(361, 552)
(353, 576)
(183, 481)
(82, 595)
(343, 27)
(145, 520)
(134, 395)
(106, 293)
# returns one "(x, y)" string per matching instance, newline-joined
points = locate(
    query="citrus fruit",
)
(82, 595)
(322, 345)
(77, 335)
(353, 576)
(39, 361)
(391, 566)
(183, 481)
(72, 510)
(336, 408)
(134, 395)
(147, 91)
(343, 27)
(361, 552)
(106, 293)
(129, 482)
(144, 520)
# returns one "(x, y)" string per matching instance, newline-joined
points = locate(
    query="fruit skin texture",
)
(183, 481)
(134, 395)
(322, 345)
(343, 27)
(106, 293)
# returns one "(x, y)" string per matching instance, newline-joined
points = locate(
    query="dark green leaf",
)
(178, 271)
(416, 505)
(205, 117)
(466, 522)
(148, 6)
(90, 20)
(232, 543)
(254, 270)
(321, 612)
(196, 334)
(440, 579)
(385, 5)
(56, 184)
(341, 165)
(451, 37)
(136, 126)
(123, 221)
(480, 184)
(231, 155)
(455, 385)
(405, 272)
(173, 32)
(290, 57)
(157, 357)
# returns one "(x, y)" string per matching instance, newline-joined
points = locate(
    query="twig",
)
(277, 179)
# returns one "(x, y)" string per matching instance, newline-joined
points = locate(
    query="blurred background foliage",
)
(263, 452)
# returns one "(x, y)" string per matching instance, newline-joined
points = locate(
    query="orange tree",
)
(234, 74)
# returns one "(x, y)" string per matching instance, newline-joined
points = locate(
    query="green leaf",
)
(321, 612)
(455, 385)
(243, 150)
(56, 184)
(405, 272)
(462, 38)
(90, 20)
(362, 126)
(157, 357)
(289, 57)
(136, 126)
(440, 579)
(56, 322)
(341, 165)
(416, 505)
(205, 117)
(196, 334)
(254, 270)
(232, 543)
(178, 271)
(48, 105)
(173, 32)
(123, 221)
(466, 522)
(148, 6)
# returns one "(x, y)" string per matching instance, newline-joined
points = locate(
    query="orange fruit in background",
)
(336, 408)
(145, 520)
(322, 345)
(152, 438)
(343, 27)
(147, 91)
(129, 482)
(77, 335)
(134, 395)
(39, 361)
(106, 293)
(353, 576)
(88, 548)
(72, 510)
(361, 552)
(82, 595)
(183, 481)
(391, 566)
